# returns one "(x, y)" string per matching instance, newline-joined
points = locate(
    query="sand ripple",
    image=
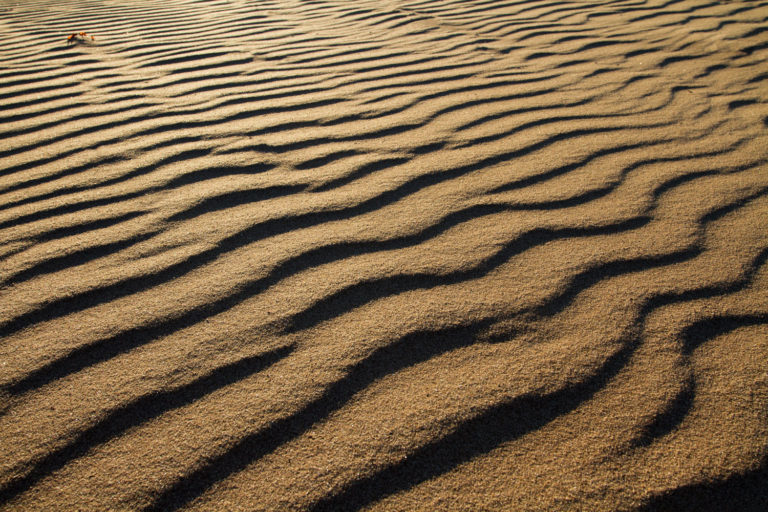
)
(384, 255)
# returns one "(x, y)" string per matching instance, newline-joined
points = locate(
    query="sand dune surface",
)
(336, 255)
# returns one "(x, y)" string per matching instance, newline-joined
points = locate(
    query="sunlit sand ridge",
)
(384, 255)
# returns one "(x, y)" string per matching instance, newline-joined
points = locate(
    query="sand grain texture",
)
(384, 255)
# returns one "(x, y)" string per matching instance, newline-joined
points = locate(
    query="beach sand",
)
(384, 255)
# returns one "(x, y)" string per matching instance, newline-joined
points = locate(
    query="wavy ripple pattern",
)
(384, 255)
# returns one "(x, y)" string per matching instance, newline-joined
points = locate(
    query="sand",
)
(384, 255)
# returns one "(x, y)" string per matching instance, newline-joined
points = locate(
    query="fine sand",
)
(334, 255)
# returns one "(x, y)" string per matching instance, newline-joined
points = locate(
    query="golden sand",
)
(384, 255)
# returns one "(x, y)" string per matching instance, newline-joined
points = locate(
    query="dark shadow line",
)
(710, 291)
(358, 294)
(724, 210)
(670, 417)
(55, 75)
(703, 330)
(742, 103)
(537, 33)
(138, 412)
(188, 56)
(677, 409)
(313, 62)
(742, 492)
(74, 259)
(361, 172)
(242, 114)
(237, 198)
(79, 117)
(326, 159)
(188, 178)
(86, 130)
(7, 72)
(574, 62)
(494, 85)
(237, 84)
(110, 347)
(755, 31)
(209, 173)
(577, 52)
(517, 111)
(32, 103)
(749, 50)
(568, 202)
(214, 65)
(681, 58)
(565, 169)
(679, 180)
(364, 50)
(443, 452)
(84, 227)
(555, 120)
(283, 127)
(308, 143)
(139, 171)
(32, 114)
(415, 72)
(55, 175)
(660, 12)
(427, 148)
(537, 178)
(642, 51)
(592, 276)
(486, 101)
(69, 208)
